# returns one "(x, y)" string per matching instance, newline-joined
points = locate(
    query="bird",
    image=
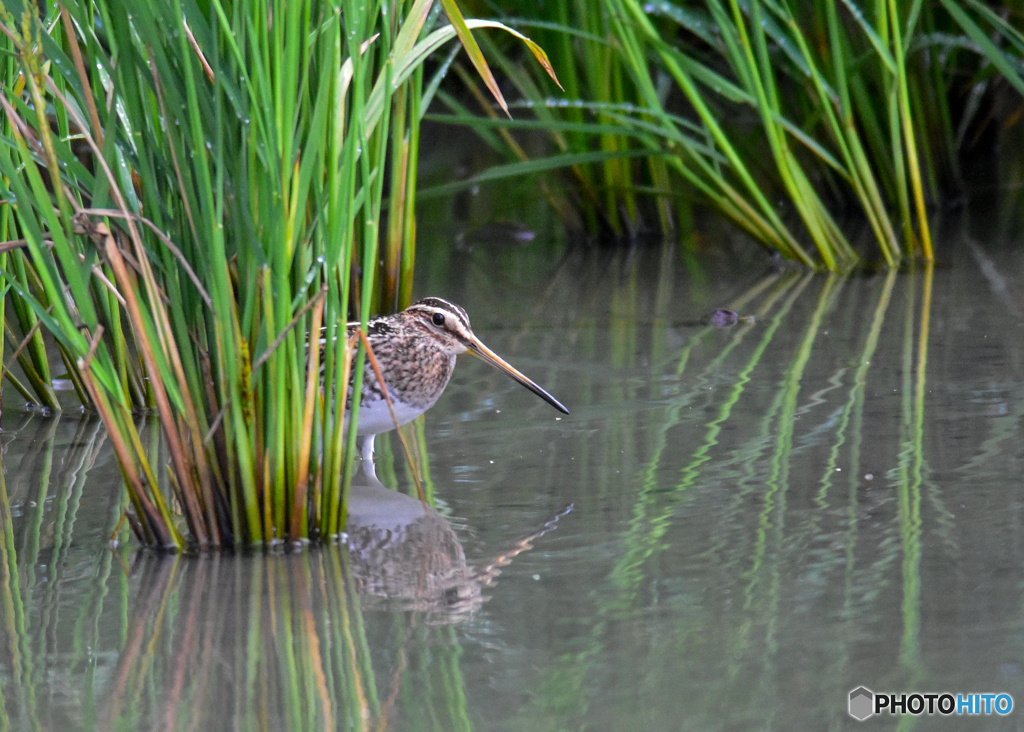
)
(416, 351)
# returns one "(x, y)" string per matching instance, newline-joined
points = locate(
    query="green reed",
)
(195, 202)
(840, 110)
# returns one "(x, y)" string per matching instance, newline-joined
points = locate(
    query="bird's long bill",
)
(484, 353)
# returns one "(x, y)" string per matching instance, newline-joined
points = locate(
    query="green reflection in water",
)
(295, 641)
(250, 641)
(754, 552)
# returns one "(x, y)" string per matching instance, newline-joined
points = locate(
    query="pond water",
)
(735, 527)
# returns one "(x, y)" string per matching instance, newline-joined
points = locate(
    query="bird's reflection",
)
(405, 555)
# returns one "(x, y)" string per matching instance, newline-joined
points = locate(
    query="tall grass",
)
(194, 206)
(793, 120)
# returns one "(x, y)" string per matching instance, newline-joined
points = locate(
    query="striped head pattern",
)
(445, 321)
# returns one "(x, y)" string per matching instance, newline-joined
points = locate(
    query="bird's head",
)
(449, 325)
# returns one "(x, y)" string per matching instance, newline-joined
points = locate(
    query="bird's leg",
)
(366, 453)
(366, 449)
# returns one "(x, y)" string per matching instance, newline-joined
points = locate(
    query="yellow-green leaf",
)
(473, 50)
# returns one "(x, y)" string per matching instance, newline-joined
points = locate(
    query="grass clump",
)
(793, 120)
(193, 201)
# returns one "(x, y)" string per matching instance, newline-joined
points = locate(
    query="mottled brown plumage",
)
(416, 358)
(416, 352)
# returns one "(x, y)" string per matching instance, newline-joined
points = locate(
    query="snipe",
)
(416, 352)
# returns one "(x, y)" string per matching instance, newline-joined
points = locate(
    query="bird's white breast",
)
(374, 416)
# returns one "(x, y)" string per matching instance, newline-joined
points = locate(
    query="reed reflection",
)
(352, 636)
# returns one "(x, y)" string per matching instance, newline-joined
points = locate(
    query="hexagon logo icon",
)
(861, 703)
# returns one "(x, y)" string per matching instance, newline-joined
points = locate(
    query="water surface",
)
(764, 516)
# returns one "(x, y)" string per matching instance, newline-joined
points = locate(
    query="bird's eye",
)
(438, 319)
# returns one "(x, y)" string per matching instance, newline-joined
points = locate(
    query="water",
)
(763, 517)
